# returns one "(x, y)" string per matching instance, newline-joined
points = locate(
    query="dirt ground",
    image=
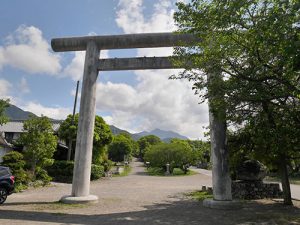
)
(139, 199)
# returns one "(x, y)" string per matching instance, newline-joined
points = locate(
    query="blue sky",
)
(36, 79)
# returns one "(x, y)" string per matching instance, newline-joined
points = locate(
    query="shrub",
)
(155, 171)
(107, 164)
(97, 172)
(14, 160)
(176, 154)
(42, 175)
(62, 171)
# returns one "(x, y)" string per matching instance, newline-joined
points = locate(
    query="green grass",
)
(199, 195)
(155, 171)
(57, 206)
(127, 170)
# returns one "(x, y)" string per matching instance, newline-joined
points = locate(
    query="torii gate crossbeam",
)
(84, 142)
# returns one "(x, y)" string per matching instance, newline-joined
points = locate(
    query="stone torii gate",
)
(84, 143)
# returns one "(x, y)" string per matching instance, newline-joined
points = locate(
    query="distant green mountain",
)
(115, 130)
(163, 135)
(15, 113)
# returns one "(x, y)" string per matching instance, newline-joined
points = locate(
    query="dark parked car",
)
(7, 181)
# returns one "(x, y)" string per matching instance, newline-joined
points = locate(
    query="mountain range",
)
(15, 113)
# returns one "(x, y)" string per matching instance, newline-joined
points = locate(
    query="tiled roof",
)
(17, 126)
(12, 126)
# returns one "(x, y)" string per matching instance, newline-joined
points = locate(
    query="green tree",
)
(120, 147)
(254, 45)
(39, 143)
(145, 142)
(68, 131)
(102, 136)
(177, 154)
(201, 150)
(133, 143)
(3, 105)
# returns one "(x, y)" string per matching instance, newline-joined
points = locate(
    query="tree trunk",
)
(285, 181)
(32, 169)
(69, 154)
(287, 198)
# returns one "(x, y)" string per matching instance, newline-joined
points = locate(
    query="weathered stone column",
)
(222, 197)
(85, 133)
(219, 153)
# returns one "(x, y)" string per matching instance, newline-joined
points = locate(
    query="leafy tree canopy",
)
(102, 135)
(133, 143)
(254, 45)
(3, 105)
(121, 146)
(147, 141)
(39, 143)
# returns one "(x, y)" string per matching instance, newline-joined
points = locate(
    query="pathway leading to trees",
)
(134, 199)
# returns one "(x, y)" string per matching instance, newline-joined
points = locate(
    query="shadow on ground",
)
(176, 213)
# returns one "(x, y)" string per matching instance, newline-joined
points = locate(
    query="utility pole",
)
(72, 123)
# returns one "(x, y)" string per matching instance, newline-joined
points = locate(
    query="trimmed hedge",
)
(15, 161)
(62, 171)
(97, 172)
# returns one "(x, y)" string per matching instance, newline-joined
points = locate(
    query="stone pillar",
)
(222, 197)
(219, 153)
(85, 133)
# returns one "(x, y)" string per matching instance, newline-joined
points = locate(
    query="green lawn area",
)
(199, 195)
(154, 171)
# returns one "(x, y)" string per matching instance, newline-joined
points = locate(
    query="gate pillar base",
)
(68, 199)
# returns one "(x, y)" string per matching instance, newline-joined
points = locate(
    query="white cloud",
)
(23, 86)
(2, 58)
(5, 88)
(51, 112)
(75, 68)
(108, 119)
(158, 102)
(131, 19)
(26, 49)
(116, 96)
(155, 102)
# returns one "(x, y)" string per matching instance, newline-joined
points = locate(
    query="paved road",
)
(136, 199)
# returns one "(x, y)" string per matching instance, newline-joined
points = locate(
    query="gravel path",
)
(134, 199)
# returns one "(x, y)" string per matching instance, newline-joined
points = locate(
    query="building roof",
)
(16, 126)
(12, 126)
